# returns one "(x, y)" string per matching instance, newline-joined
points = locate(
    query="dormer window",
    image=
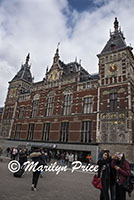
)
(112, 46)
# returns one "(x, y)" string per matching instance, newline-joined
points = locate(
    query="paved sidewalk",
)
(65, 185)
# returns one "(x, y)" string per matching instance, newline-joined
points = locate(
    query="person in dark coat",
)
(122, 168)
(8, 151)
(37, 156)
(104, 174)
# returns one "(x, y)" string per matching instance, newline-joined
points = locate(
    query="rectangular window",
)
(17, 131)
(46, 131)
(113, 101)
(67, 104)
(30, 132)
(88, 105)
(34, 108)
(21, 113)
(49, 106)
(64, 131)
(86, 134)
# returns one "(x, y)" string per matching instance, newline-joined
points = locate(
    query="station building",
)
(73, 110)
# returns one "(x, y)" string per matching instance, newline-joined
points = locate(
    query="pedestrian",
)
(62, 159)
(36, 156)
(46, 155)
(66, 158)
(122, 168)
(1, 151)
(104, 174)
(58, 155)
(8, 151)
(88, 159)
(70, 159)
(49, 156)
(75, 157)
(14, 153)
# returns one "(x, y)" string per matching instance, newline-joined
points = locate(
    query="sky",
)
(36, 26)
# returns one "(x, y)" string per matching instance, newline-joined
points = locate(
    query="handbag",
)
(128, 184)
(96, 182)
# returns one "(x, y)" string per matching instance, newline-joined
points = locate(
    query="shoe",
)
(35, 189)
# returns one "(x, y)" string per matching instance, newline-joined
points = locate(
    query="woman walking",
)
(36, 156)
(104, 174)
(122, 168)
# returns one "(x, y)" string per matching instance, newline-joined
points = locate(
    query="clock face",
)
(54, 75)
(112, 69)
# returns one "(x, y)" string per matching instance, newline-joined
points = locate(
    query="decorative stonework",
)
(114, 125)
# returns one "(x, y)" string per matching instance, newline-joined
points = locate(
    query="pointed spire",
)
(27, 58)
(56, 57)
(116, 25)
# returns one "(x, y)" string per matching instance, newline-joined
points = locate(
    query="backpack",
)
(128, 184)
(42, 160)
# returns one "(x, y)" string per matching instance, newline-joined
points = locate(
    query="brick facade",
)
(70, 106)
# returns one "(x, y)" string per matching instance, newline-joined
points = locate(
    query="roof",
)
(116, 42)
(95, 76)
(72, 68)
(24, 73)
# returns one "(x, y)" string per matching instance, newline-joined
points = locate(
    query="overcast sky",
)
(36, 26)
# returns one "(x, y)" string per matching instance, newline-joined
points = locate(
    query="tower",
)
(116, 90)
(20, 84)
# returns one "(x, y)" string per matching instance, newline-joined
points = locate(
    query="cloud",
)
(37, 27)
